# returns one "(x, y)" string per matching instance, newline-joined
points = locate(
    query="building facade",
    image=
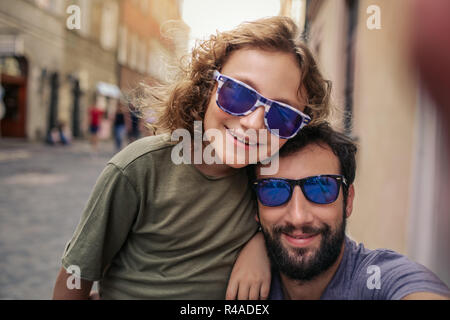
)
(59, 57)
(32, 57)
(49, 69)
(151, 38)
(90, 64)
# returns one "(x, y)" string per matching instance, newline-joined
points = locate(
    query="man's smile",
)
(298, 240)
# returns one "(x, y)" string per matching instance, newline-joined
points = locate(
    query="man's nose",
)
(299, 208)
(254, 120)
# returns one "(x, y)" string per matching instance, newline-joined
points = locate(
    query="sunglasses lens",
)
(287, 121)
(321, 190)
(272, 193)
(236, 98)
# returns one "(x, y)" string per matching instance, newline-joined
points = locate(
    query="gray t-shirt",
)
(380, 274)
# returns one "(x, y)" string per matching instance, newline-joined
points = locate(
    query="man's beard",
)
(304, 264)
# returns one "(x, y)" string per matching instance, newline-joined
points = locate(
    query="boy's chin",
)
(233, 163)
(237, 165)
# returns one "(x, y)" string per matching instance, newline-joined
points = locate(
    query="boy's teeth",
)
(240, 139)
(243, 141)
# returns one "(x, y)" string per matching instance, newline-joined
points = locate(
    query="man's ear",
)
(350, 197)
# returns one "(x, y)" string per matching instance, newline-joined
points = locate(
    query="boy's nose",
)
(254, 120)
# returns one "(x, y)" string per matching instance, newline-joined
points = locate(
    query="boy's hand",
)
(94, 296)
(250, 278)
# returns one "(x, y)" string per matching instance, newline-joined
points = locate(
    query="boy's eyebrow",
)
(250, 83)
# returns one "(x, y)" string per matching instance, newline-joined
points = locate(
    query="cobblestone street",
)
(43, 191)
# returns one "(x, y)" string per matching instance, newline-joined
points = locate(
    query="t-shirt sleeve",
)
(399, 277)
(104, 225)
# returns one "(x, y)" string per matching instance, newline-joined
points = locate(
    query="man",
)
(303, 216)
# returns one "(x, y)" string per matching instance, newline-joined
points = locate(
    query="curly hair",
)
(178, 103)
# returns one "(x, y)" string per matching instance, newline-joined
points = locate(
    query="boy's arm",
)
(251, 276)
(106, 222)
(62, 292)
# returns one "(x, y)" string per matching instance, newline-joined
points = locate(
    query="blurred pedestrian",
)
(119, 127)
(64, 133)
(95, 115)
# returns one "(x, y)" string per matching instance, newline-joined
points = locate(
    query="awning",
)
(108, 90)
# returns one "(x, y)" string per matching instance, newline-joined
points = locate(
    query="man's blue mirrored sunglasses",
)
(239, 99)
(321, 189)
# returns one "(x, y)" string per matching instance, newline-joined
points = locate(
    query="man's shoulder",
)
(361, 256)
(385, 273)
(146, 148)
(386, 259)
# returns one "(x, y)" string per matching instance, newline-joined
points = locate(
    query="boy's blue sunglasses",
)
(238, 99)
(322, 189)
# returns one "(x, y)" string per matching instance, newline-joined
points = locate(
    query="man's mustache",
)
(307, 229)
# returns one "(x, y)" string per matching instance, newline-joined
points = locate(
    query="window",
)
(157, 60)
(122, 52)
(142, 65)
(133, 59)
(108, 31)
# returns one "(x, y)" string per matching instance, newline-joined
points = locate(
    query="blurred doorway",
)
(14, 83)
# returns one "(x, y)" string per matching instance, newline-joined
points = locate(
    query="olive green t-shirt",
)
(155, 230)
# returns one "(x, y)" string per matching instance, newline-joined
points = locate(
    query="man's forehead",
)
(311, 160)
